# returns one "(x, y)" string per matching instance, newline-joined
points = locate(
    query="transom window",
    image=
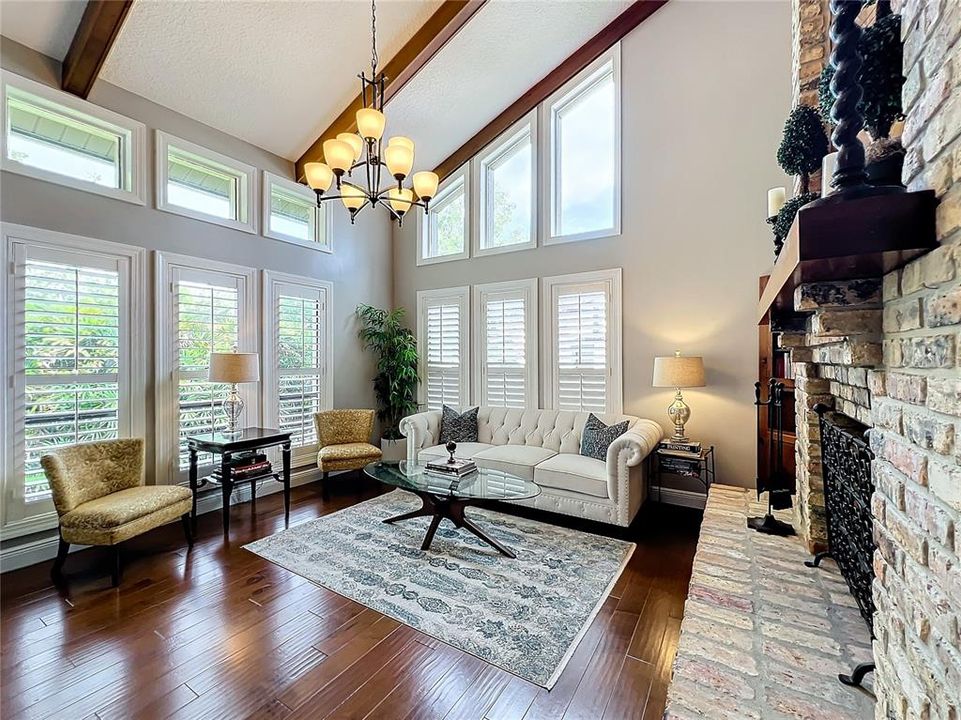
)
(445, 229)
(585, 155)
(291, 214)
(507, 189)
(56, 137)
(203, 184)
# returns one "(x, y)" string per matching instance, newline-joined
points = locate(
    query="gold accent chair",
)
(100, 497)
(344, 439)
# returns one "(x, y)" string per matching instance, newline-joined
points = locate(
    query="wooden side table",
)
(253, 438)
(704, 464)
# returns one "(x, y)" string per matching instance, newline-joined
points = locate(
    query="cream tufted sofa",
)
(544, 446)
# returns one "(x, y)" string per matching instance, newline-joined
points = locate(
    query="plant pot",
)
(885, 160)
(393, 450)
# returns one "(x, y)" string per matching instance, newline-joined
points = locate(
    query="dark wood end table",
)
(225, 445)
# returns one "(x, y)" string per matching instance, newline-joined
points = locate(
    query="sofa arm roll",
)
(636, 444)
(421, 430)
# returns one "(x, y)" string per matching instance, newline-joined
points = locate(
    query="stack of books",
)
(445, 468)
(247, 466)
(680, 458)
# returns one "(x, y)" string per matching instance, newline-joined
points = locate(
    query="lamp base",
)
(679, 413)
(233, 407)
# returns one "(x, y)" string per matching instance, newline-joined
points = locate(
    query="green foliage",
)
(803, 144)
(395, 385)
(785, 217)
(881, 79)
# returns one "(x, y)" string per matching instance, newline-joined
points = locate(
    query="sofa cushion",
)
(517, 460)
(465, 450)
(576, 473)
(458, 427)
(597, 437)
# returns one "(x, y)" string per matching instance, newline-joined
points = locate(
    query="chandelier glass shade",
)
(354, 162)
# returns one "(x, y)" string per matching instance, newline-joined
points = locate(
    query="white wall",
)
(705, 93)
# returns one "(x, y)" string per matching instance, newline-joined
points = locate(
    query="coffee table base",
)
(439, 508)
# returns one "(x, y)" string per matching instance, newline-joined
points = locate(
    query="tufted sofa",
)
(544, 446)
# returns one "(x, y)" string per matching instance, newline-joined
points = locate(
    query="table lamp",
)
(678, 372)
(234, 368)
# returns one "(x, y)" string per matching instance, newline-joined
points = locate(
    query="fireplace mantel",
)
(849, 240)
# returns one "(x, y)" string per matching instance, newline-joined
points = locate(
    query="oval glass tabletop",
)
(484, 484)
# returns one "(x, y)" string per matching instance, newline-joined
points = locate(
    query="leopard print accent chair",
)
(344, 439)
(100, 497)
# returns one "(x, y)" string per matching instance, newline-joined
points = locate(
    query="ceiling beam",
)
(98, 28)
(553, 81)
(450, 17)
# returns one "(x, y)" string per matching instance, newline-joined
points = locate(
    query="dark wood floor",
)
(221, 633)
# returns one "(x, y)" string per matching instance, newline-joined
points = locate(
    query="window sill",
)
(579, 237)
(129, 196)
(302, 243)
(247, 227)
(519, 247)
(442, 258)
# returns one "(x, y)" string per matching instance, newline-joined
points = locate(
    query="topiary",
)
(803, 144)
(785, 218)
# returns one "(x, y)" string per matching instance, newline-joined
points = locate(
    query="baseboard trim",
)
(673, 496)
(45, 548)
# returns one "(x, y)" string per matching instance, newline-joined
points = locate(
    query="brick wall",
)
(916, 409)
(810, 48)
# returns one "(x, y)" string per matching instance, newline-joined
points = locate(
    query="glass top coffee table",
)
(443, 497)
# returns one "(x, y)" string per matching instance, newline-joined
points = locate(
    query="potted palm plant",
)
(395, 385)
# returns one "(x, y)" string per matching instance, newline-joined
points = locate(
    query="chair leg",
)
(62, 550)
(185, 520)
(115, 573)
(324, 492)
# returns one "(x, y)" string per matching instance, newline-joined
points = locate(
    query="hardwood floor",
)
(221, 633)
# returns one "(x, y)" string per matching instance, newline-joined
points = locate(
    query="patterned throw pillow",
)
(458, 427)
(597, 437)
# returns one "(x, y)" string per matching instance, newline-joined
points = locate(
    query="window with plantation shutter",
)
(505, 344)
(583, 344)
(296, 357)
(204, 311)
(72, 372)
(442, 322)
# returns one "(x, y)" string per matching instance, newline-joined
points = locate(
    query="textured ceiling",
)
(275, 74)
(47, 26)
(506, 48)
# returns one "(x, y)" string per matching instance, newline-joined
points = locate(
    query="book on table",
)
(451, 469)
(680, 466)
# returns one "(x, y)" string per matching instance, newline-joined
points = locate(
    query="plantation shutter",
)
(505, 364)
(443, 340)
(300, 342)
(581, 350)
(207, 318)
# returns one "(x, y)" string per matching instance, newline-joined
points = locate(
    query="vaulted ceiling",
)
(277, 73)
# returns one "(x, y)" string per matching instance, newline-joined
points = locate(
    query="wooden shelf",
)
(849, 240)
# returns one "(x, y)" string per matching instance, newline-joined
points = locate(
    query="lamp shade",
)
(339, 155)
(678, 372)
(370, 123)
(319, 176)
(400, 159)
(234, 367)
(355, 141)
(425, 184)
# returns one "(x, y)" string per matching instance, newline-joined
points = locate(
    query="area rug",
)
(525, 615)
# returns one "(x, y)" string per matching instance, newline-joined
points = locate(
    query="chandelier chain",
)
(373, 38)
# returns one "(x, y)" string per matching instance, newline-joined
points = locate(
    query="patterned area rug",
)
(525, 615)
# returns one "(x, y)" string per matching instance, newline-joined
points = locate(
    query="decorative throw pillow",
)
(458, 427)
(597, 437)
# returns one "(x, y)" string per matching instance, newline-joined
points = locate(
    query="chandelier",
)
(365, 153)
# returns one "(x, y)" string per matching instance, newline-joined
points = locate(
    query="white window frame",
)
(166, 397)
(132, 262)
(273, 283)
(425, 299)
(323, 225)
(527, 289)
(423, 219)
(479, 167)
(610, 281)
(583, 81)
(133, 134)
(246, 190)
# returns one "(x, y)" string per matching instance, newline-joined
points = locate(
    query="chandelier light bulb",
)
(352, 197)
(339, 155)
(400, 159)
(319, 176)
(370, 123)
(355, 141)
(400, 199)
(425, 184)
(401, 140)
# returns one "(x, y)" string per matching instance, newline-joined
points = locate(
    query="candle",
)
(828, 165)
(776, 197)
